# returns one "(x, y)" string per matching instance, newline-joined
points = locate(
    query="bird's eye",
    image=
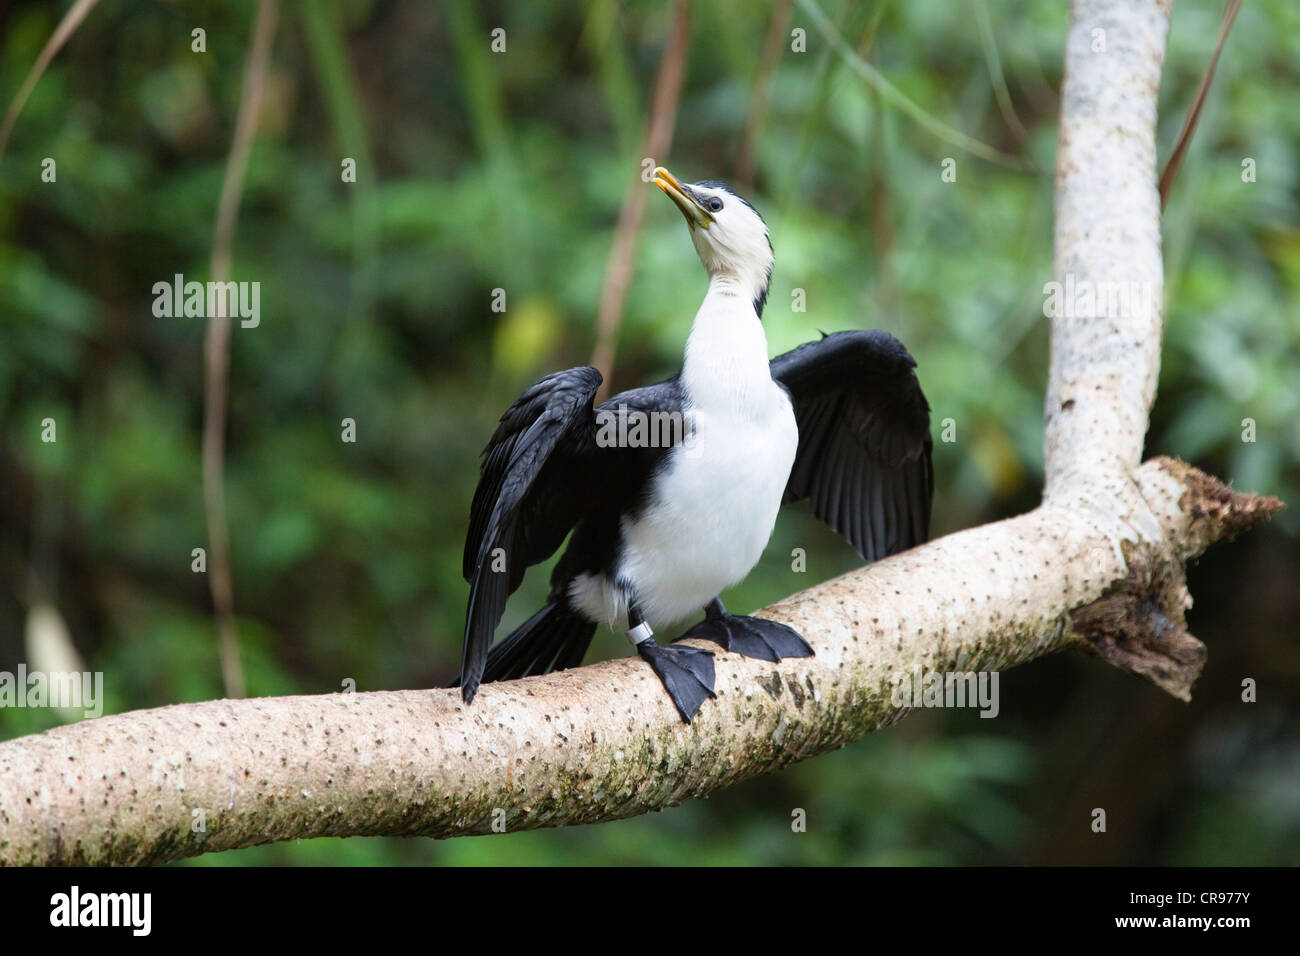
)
(715, 204)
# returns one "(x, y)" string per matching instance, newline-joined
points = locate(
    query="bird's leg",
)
(750, 636)
(686, 672)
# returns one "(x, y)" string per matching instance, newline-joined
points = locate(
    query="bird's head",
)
(728, 232)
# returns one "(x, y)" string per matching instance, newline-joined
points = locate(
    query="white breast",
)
(712, 512)
(714, 504)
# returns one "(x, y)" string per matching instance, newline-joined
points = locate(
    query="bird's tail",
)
(554, 638)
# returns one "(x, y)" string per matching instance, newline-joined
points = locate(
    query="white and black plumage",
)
(660, 530)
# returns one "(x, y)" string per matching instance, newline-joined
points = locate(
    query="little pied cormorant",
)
(661, 528)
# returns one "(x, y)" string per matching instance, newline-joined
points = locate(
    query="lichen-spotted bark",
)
(582, 746)
(1105, 352)
(1105, 355)
(604, 742)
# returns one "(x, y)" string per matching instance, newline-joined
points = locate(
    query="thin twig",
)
(67, 26)
(895, 97)
(996, 76)
(1194, 113)
(771, 55)
(824, 78)
(216, 348)
(658, 141)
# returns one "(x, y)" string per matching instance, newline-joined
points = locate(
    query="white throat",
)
(713, 507)
(726, 353)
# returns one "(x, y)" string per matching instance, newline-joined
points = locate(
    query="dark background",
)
(479, 170)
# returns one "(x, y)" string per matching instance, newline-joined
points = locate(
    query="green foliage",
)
(478, 171)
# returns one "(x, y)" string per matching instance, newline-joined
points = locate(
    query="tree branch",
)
(581, 746)
(1098, 567)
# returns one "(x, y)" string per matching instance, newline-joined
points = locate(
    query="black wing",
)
(864, 439)
(528, 498)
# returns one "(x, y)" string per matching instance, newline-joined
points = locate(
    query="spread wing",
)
(864, 439)
(528, 498)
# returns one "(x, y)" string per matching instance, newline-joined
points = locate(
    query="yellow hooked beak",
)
(696, 215)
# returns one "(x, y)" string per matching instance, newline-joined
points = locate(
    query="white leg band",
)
(640, 634)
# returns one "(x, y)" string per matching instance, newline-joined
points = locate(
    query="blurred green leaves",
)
(481, 170)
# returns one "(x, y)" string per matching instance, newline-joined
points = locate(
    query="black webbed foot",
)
(686, 672)
(749, 636)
